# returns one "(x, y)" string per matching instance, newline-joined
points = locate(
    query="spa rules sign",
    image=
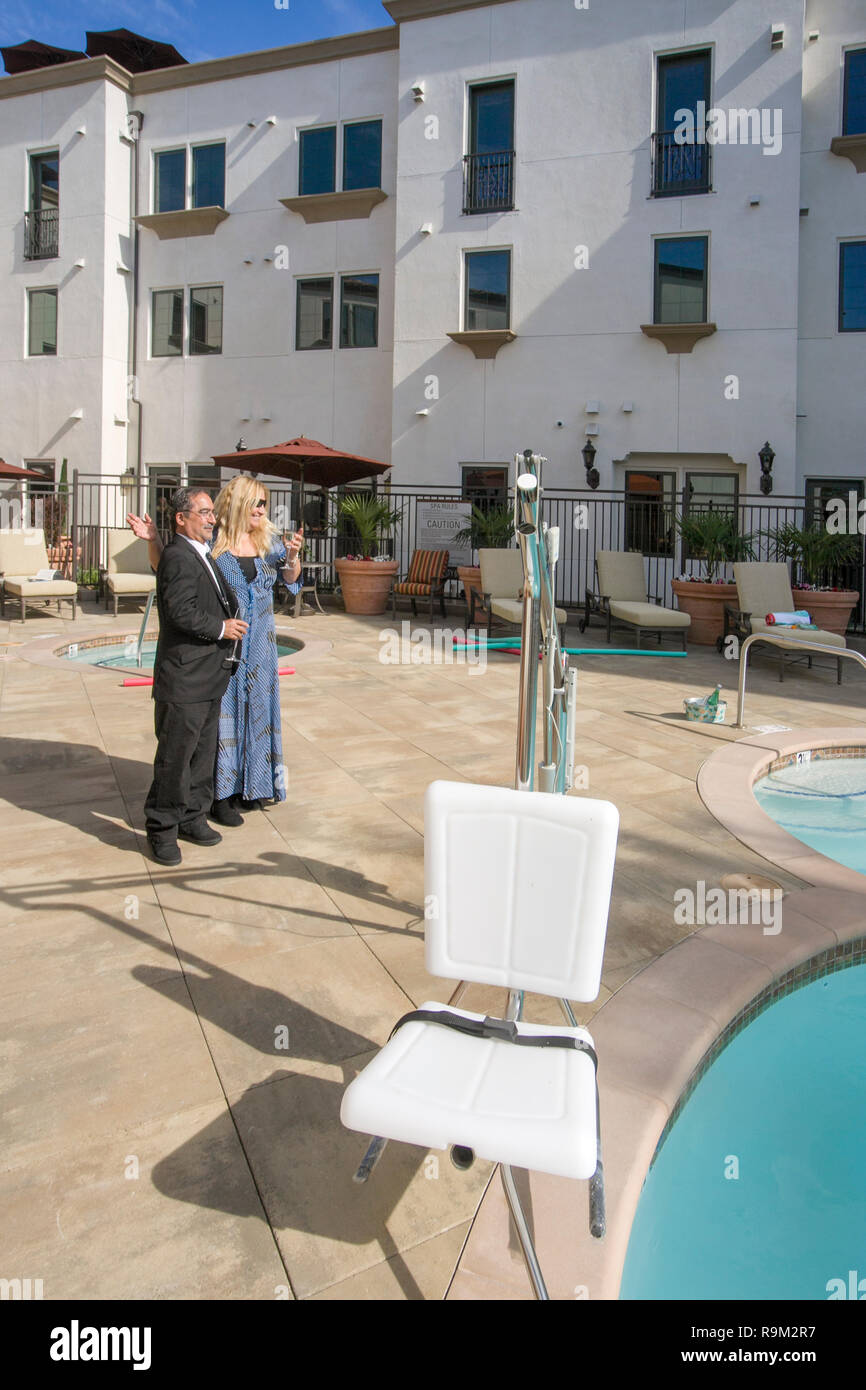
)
(436, 525)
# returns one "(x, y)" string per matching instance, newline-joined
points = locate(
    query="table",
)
(309, 572)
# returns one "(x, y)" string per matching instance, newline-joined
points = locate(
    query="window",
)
(318, 161)
(484, 486)
(315, 313)
(681, 165)
(488, 177)
(42, 218)
(854, 101)
(359, 310)
(208, 176)
(650, 504)
(852, 287)
(487, 290)
(362, 158)
(680, 287)
(362, 155)
(206, 320)
(166, 338)
(42, 336)
(169, 181)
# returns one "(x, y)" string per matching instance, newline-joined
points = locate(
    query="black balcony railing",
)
(488, 182)
(679, 168)
(40, 234)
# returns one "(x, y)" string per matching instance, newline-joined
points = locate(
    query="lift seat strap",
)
(500, 1029)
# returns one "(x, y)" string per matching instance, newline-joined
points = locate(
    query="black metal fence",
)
(587, 522)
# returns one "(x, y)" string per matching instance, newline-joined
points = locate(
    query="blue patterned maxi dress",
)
(250, 752)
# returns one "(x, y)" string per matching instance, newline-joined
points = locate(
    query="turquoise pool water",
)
(758, 1191)
(120, 656)
(823, 803)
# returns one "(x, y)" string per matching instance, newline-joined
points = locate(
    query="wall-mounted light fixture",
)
(627, 407)
(591, 408)
(270, 120)
(593, 478)
(418, 90)
(777, 35)
(425, 411)
(426, 228)
(77, 414)
(766, 456)
(240, 447)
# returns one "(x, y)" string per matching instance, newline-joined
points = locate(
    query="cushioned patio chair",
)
(502, 582)
(426, 579)
(521, 882)
(622, 596)
(129, 574)
(22, 556)
(764, 586)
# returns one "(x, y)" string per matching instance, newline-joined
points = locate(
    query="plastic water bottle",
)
(712, 700)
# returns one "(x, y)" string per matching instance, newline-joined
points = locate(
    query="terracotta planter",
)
(366, 584)
(705, 605)
(830, 608)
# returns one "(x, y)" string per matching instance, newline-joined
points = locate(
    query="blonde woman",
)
(249, 554)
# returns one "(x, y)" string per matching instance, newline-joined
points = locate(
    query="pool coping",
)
(654, 1034)
(42, 651)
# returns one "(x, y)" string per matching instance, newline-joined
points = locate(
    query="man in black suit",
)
(190, 676)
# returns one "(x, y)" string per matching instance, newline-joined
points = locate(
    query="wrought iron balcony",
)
(679, 168)
(40, 234)
(488, 182)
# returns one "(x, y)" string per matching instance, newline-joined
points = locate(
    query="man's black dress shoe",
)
(224, 813)
(164, 851)
(200, 833)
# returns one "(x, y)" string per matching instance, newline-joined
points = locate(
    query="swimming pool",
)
(821, 801)
(119, 655)
(757, 1190)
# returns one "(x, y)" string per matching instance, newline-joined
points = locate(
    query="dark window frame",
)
(695, 161)
(344, 317)
(643, 509)
(666, 240)
(207, 145)
(351, 125)
(205, 351)
(157, 156)
(175, 290)
(50, 290)
(313, 347)
(849, 53)
(840, 325)
(316, 130)
(479, 252)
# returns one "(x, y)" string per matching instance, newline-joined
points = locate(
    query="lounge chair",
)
(426, 579)
(622, 595)
(129, 574)
(502, 582)
(22, 557)
(765, 587)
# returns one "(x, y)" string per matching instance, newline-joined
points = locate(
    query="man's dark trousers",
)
(190, 678)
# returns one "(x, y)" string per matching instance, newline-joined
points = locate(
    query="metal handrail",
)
(775, 640)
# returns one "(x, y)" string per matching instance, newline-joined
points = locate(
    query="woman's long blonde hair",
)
(232, 507)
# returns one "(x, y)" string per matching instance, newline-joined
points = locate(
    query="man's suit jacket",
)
(190, 659)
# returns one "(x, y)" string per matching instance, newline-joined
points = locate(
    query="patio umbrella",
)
(132, 51)
(11, 470)
(24, 57)
(304, 461)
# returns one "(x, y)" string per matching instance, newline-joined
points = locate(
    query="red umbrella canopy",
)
(11, 470)
(305, 461)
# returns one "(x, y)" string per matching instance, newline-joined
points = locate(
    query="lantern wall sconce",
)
(593, 478)
(766, 456)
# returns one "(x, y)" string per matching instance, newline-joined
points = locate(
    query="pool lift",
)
(143, 629)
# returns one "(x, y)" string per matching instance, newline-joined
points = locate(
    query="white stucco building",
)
(485, 213)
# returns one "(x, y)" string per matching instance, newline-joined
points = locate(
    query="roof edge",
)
(402, 10)
(66, 75)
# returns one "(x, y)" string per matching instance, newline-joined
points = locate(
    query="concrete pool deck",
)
(176, 1041)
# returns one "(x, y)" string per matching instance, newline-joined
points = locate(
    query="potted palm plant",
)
(710, 536)
(821, 556)
(365, 581)
(491, 529)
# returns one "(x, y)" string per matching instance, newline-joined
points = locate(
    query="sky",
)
(199, 29)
